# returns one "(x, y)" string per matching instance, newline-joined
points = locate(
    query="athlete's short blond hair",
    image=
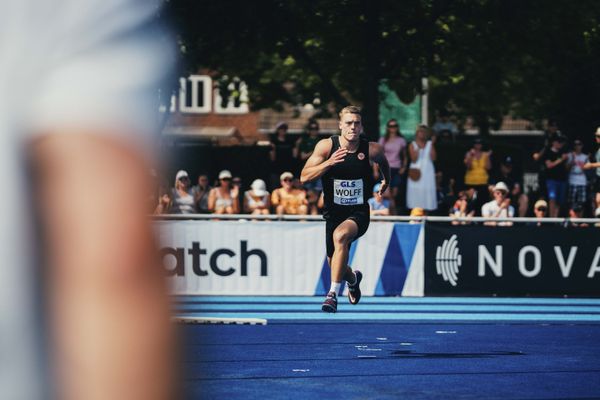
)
(349, 110)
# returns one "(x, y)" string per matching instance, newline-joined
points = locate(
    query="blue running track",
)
(393, 348)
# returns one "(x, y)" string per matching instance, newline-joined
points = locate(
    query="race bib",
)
(348, 192)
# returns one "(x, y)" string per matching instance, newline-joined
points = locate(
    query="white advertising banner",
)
(278, 257)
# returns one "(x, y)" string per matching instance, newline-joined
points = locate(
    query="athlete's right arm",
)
(318, 163)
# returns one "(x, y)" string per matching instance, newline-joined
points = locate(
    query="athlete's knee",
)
(341, 238)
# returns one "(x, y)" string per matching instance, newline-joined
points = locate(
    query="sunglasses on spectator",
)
(225, 179)
(287, 179)
(541, 209)
(392, 125)
(184, 178)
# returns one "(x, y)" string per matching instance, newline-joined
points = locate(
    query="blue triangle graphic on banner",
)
(393, 270)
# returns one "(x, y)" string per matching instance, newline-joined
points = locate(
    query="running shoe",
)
(354, 290)
(330, 303)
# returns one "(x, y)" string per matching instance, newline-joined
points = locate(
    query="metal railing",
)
(377, 218)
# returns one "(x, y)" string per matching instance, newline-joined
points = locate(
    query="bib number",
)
(348, 192)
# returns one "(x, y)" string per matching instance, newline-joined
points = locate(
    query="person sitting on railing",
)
(499, 207)
(224, 198)
(378, 204)
(257, 199)
(461, 209)
(287, 199)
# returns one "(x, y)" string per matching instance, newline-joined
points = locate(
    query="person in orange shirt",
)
(287, 199)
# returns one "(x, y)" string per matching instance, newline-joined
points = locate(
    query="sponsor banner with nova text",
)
(511, 260)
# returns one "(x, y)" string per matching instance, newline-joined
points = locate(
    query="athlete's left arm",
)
(376, 155)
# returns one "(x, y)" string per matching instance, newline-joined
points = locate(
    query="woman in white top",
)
(183, 198)
(421, 193)
(224, 198)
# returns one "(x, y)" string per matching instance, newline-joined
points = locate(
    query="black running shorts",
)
(360, 216)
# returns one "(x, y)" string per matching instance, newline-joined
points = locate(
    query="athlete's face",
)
(351, 127)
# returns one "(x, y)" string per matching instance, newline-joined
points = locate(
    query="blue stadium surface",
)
(393, 348)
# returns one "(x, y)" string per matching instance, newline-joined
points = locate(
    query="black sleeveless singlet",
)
(347, 185)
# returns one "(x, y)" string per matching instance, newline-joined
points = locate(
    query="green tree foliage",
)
(484, 58)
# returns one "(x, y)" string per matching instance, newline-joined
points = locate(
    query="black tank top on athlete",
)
(347, 185)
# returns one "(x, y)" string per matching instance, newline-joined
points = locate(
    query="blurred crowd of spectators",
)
(569, 180)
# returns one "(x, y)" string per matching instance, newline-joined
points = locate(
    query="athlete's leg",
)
(348, 274)
(343, 235)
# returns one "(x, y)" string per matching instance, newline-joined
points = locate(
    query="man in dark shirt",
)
(281, 154)
(555, 161)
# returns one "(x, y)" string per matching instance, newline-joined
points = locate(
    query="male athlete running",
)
(344, 164)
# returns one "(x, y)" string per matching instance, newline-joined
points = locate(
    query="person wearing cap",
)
(257, 199)
(478, 164)
(378, 204)
(282, 153)
(499, 207)
(577, 192)
(344, 163)
(594, 163)
(555, 161)
(223, 199)
(182, 196)
(288, 199)
(515, 189)
(540, 211)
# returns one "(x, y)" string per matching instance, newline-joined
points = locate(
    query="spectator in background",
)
(445, 193)
(223, 199)
(287, 199)
(306, 144)
(461, 209)
(594, 163)
(499, 207)
(304, 149)
(478, 163)
(417, 212)
(257, 199)
(200, 192)
(394, 147)
(540, 211)
(236, 183)
(443, 127)
(506, 175)
(577, 180)
(377, 204)
(549, 134)
(555, 161)
(420, 192)
(165, 202)
(183, 199)
(282, 153)
(576, 211)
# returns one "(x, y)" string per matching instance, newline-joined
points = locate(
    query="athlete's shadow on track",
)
(414, 354)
